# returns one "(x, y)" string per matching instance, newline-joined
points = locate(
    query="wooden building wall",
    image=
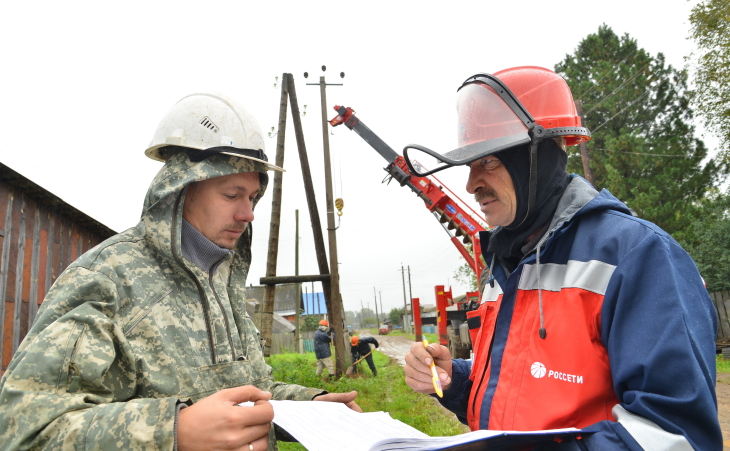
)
(40, 235)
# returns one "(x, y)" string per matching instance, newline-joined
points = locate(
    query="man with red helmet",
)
(360, 347)
(322, 351)
(589, 317)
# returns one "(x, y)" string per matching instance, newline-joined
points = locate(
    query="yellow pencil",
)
(434, 375)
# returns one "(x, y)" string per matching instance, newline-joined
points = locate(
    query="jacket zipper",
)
(201, 292)
(149, 309)
(483, 377)
(225, 316)
(73, 375)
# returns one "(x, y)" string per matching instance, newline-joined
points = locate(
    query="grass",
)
(723, 366)
(387, 392)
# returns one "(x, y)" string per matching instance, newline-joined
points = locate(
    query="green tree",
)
(709, 244)
(643, 147)
(465, 275)
(396, 316)
(311, 322)
(710, 30)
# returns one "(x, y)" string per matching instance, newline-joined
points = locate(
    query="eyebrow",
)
(244, 190)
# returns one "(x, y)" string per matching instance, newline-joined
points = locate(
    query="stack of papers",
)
(478, 441)
(324, 426)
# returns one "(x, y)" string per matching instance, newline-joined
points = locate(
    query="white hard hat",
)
(213, 123)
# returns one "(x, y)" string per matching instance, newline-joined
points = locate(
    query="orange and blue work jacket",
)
(629, 347)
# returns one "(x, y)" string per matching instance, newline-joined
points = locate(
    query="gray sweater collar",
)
(200, 250)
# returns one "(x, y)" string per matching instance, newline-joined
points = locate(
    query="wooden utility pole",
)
(584, 155)
(405, 305)
(298, 297)
(377, 316)
(380, 293)
(332, 298)
(335, 308)
(410, 292)
(268, 312)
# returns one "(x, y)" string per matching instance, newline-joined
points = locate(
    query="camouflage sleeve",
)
(279, 390)
(72, 383)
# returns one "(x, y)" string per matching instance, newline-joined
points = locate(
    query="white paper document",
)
(326, 426)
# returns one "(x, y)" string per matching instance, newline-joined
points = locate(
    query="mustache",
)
(236, 227)
(484, 193)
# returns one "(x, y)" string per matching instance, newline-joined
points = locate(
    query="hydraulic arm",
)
(451, 216)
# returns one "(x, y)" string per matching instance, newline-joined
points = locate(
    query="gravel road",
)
(394, 346)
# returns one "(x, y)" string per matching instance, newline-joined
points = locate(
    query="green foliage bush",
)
(723, 366)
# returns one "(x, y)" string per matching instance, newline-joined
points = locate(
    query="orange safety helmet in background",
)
(354, 341)
(513, 107)
(324, 323)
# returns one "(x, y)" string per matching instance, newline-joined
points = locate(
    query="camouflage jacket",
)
(131, 329)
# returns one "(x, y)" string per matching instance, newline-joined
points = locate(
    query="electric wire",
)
(629, 80)
(624, 109)
(648, 154)
(595, 85)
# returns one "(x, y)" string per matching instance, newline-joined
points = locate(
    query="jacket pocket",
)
(70, 375)
(141, 315)
(481, 330)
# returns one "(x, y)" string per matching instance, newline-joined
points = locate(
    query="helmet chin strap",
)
(532, 194)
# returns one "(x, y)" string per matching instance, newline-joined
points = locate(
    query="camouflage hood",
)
(162, 212)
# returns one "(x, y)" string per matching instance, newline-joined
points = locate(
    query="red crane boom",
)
(445, 209)
(451, 321)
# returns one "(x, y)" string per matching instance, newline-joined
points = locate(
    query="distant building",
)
(285, 298)
(40, 235)
(314, 304)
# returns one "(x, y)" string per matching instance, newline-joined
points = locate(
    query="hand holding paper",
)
(347, 399)
(216, 422)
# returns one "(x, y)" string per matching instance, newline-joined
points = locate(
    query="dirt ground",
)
(723, 406)
(396, 348)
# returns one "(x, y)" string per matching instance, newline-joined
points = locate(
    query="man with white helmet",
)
(144, 341)
(589, 317)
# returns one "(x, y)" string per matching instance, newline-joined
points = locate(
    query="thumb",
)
(237, 395)
(348, 397)
(438, 352)
(337, 397)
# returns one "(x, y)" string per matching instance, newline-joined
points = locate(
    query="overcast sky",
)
(84, 85)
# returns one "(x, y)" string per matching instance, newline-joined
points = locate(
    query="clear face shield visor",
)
(490, 119)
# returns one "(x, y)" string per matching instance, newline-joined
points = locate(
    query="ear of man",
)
(190, 193)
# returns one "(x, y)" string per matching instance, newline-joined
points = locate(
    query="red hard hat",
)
(324, 323)
(513, 107)
(546, 96)
(354, 341)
